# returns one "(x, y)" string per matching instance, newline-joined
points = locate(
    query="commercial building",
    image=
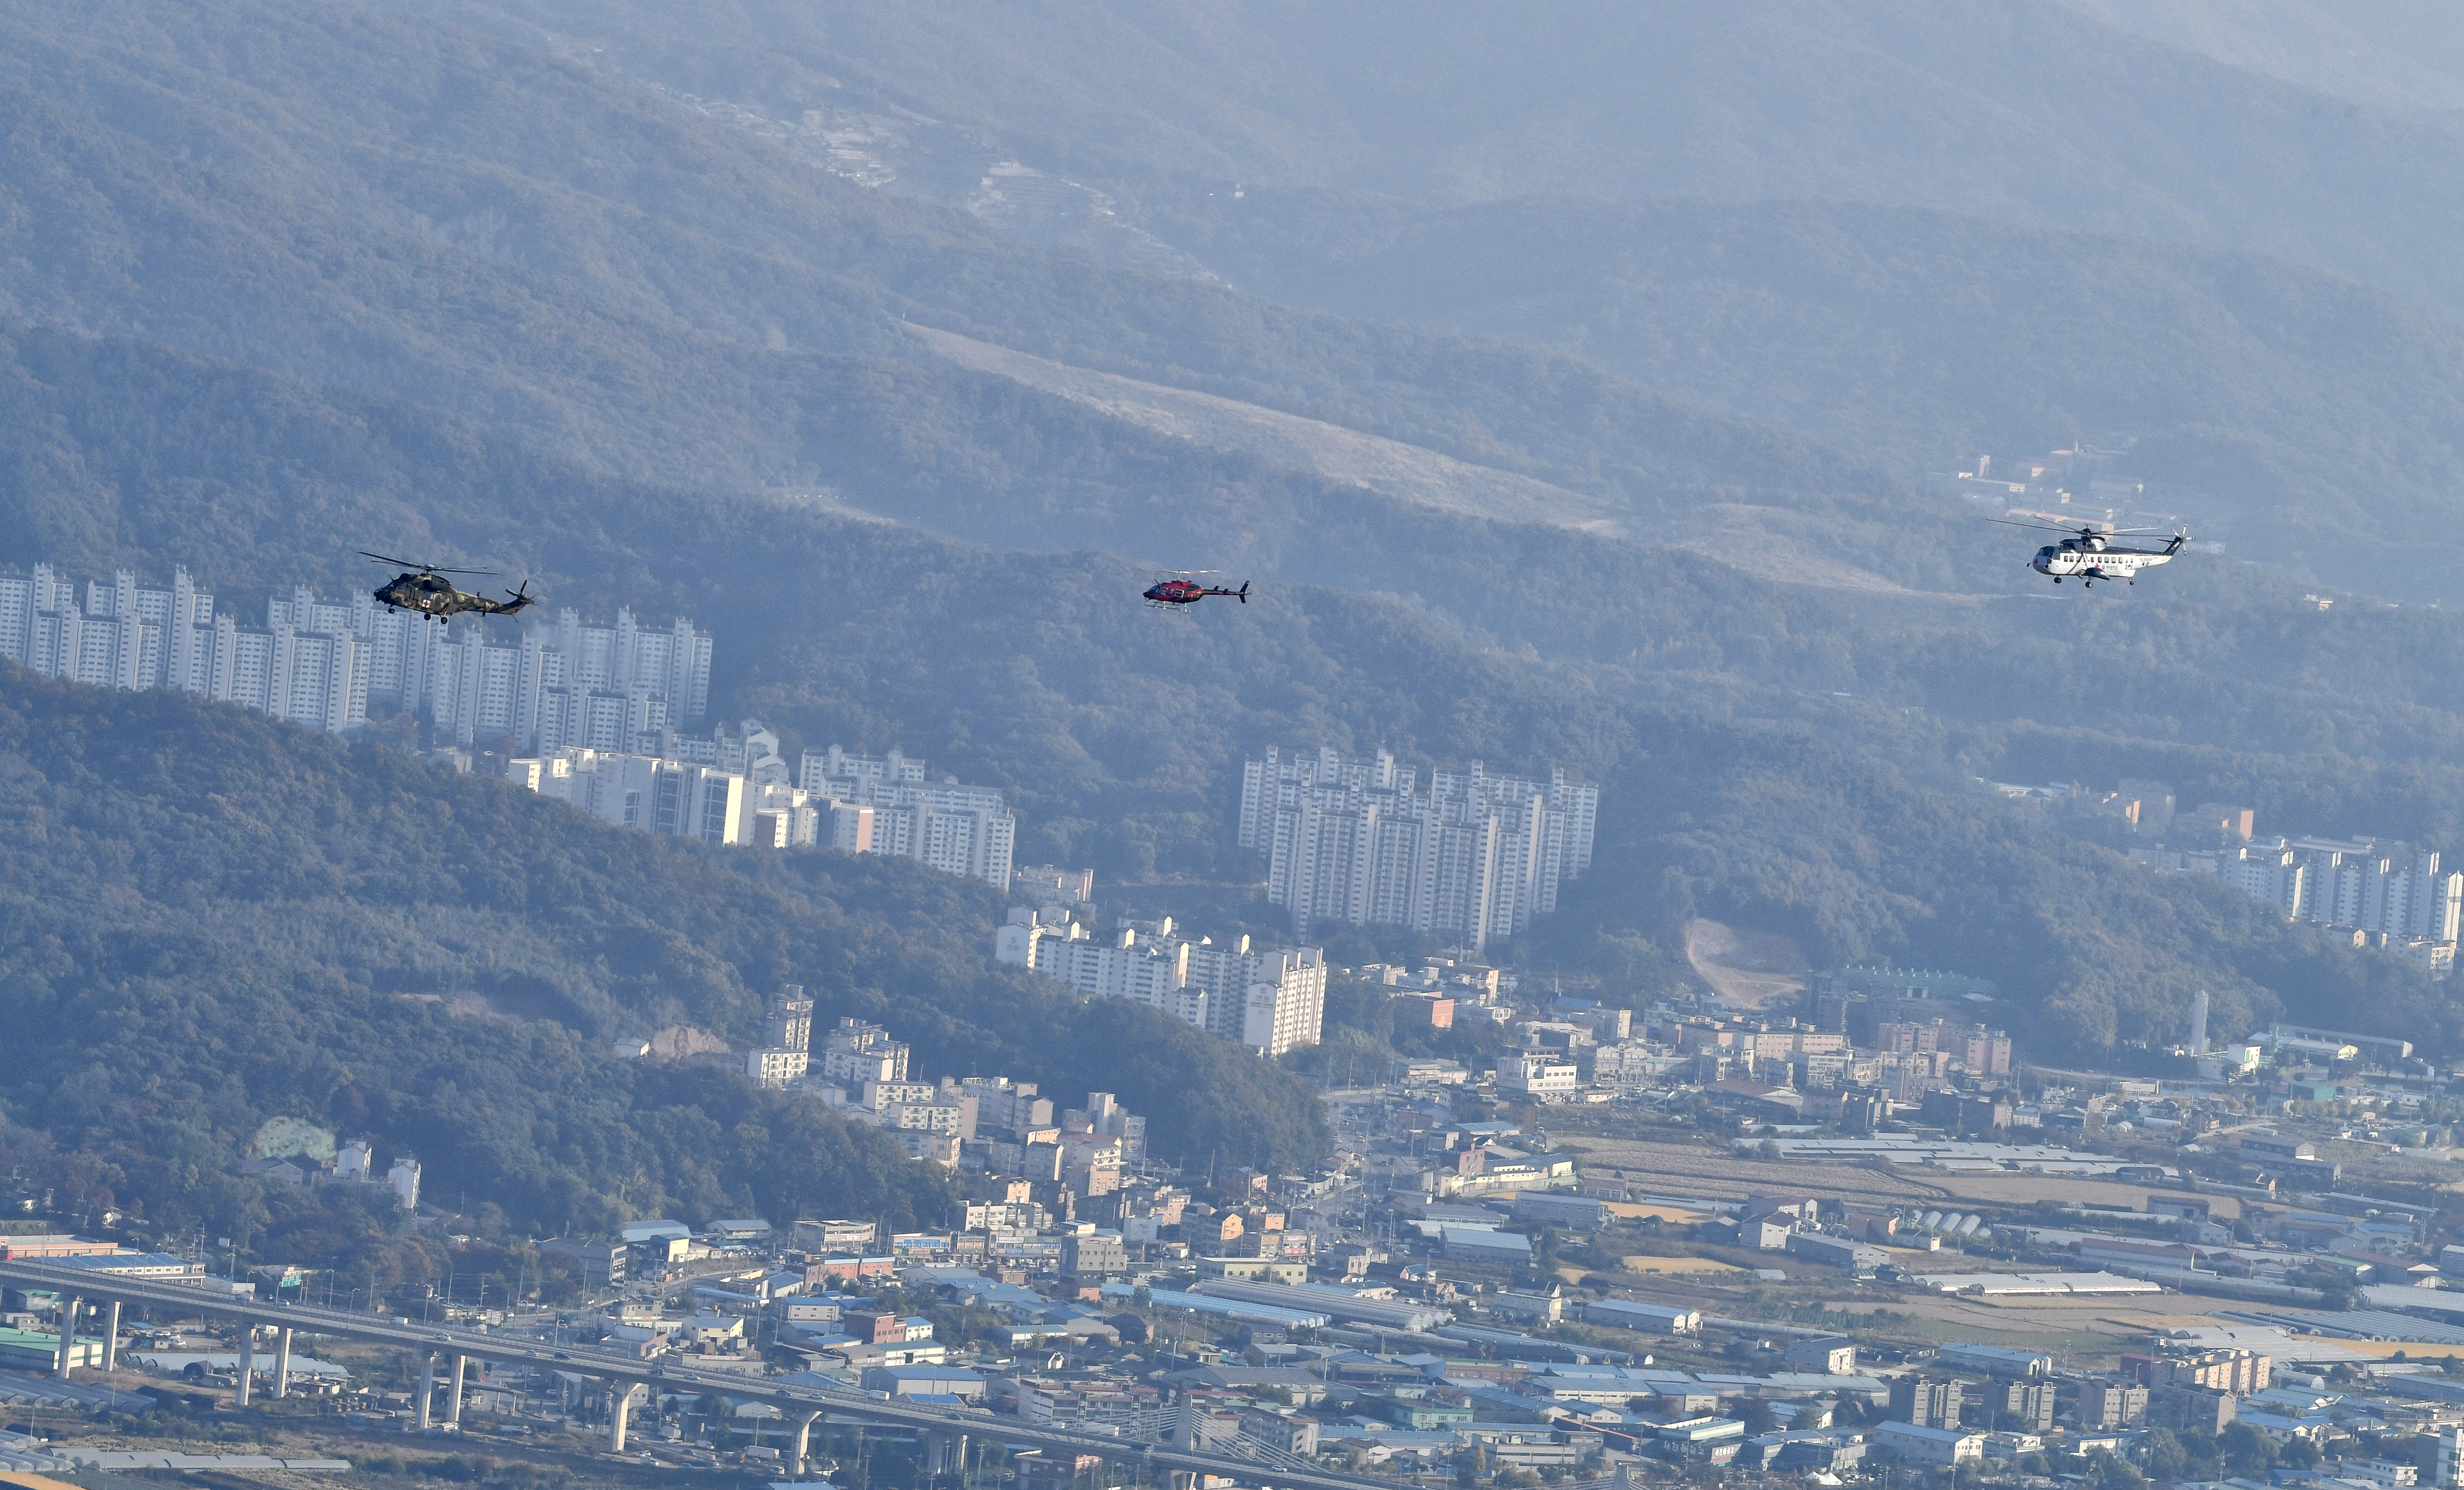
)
(1651, 1318)
(1824, 1355)
(597, 1261)
(1537, 1077)
(1474, 857)
(924, 1381)
(1837, 1251)
(1997, 1360)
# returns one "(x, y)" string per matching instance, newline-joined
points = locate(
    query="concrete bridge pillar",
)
(804, 1441)
(247, 1361)
(68, 1337)
(944, 1454)
(620, 1406)
(428, 1394)
(111, 1337)
(282, 1362)
(453, 1396)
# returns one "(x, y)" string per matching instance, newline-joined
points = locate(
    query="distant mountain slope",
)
(2284, 408)
(1703, 701)
(2389, 53)
(388, 204)
(2024, 111)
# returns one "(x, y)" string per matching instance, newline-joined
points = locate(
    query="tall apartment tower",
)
(1474, 857)
(791, 1018)
(316, 662)
(786, 1052)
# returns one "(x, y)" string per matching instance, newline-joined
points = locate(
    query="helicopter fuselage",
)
(438, 596)
(2071, 556)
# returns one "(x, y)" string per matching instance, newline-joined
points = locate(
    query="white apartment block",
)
(2399, 894)
(316, 663)
(785, 1051)
(312, 672)
(552, 687)
(1474, 857)
(1269, 998)
(885, 806)
(644, 792)
(855, 1052)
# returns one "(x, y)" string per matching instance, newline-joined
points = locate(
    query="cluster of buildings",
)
(1027, 1163)
(1855, 1047)
(1269, 998)
(353, 1164)
(736, 788)
(2389, 895)
(319, 663)
(1472, 857)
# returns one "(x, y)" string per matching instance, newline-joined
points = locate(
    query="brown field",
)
(1716, 1174)
(1688, 1170)
(1750, 968)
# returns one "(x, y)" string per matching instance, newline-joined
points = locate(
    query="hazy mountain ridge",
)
(2276, 406)
(633, 314)
(2022, 110)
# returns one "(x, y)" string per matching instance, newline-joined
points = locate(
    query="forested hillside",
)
(1119, 731)
(599, 297)
(214, 919)
(2265, 399)
(494, 229)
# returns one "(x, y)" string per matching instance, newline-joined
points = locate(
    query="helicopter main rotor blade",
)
(422, 568)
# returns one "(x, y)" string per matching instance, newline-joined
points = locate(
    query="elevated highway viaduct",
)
(802, 1403)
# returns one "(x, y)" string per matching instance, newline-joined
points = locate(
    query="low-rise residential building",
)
(1928, 1447)
(2105, 1402)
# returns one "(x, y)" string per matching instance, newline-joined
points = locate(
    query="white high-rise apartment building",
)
(644, 792)
(1474, 857)
(310, 670)
(2400, 894)
(885, 806)
(559, 686)
(316, 662)
(1269, 998)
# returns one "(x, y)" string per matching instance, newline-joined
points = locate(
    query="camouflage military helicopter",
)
(425, 589)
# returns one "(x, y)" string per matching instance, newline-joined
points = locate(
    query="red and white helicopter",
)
(1185, 590)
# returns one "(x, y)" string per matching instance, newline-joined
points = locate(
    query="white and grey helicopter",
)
(2089, 552)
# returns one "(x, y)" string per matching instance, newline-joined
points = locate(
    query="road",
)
(796, 1398)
